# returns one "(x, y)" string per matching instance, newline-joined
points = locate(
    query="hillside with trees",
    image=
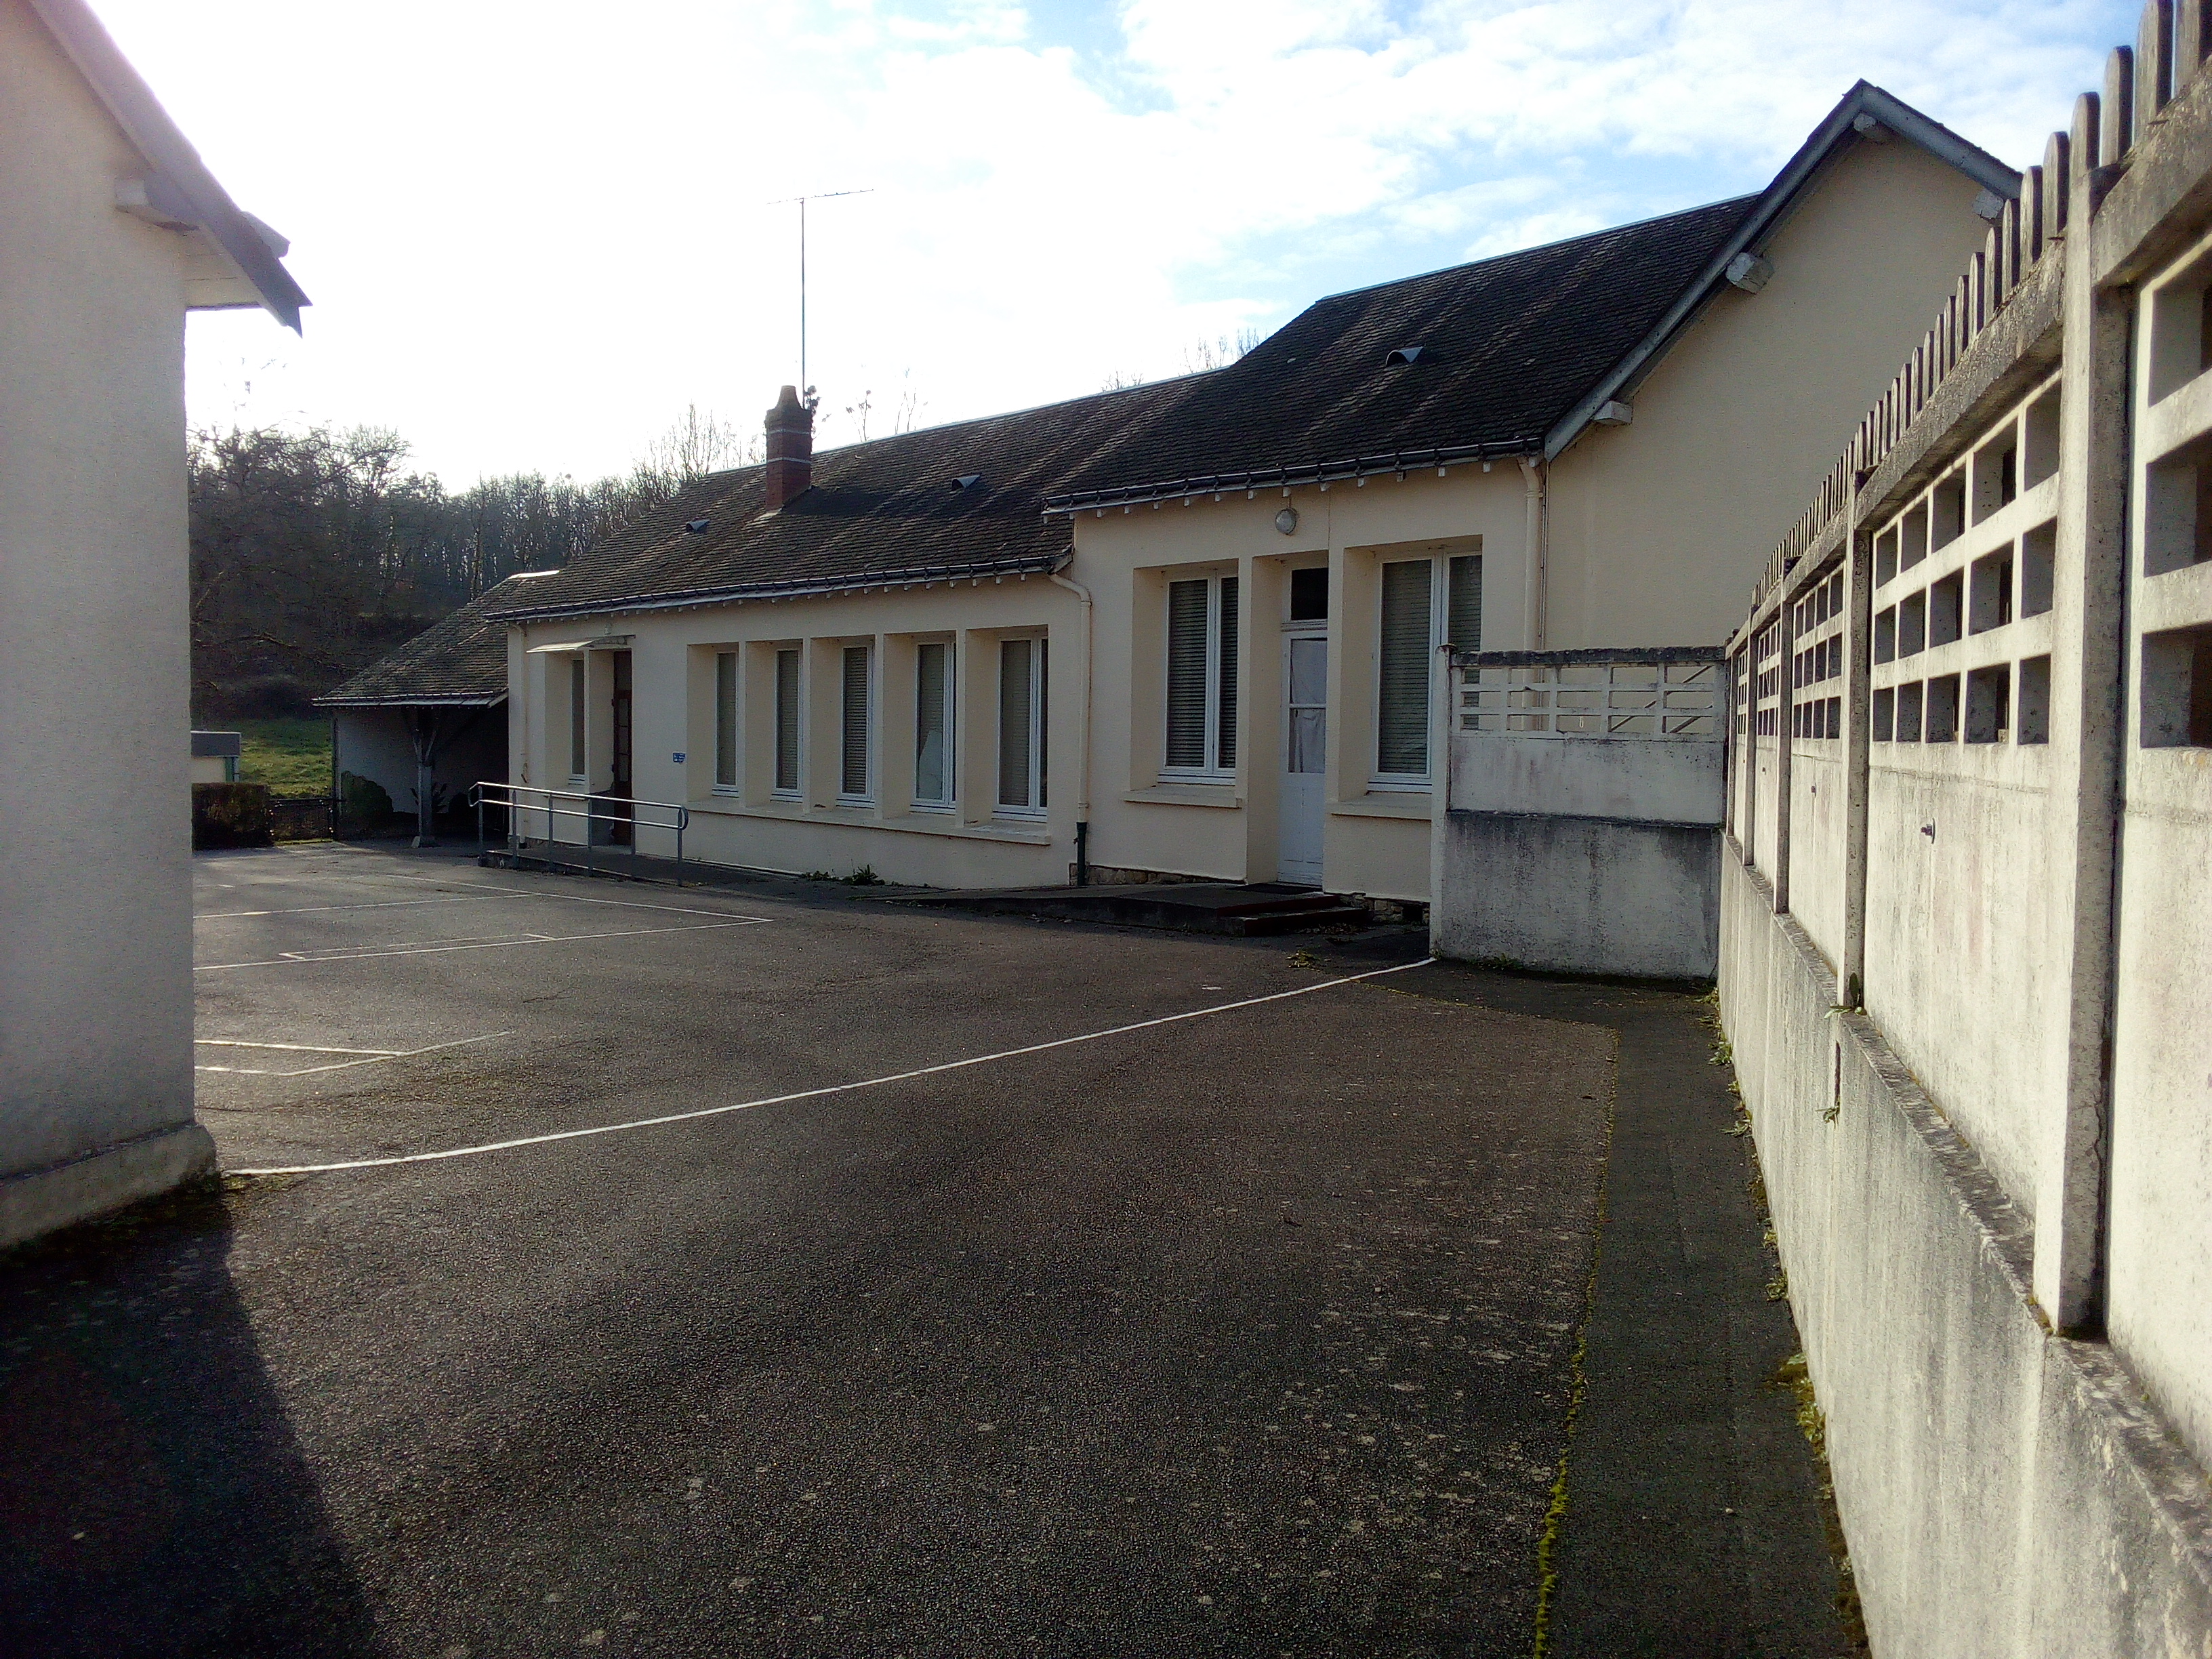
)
(315, 551)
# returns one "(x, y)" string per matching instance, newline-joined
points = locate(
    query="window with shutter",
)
(1188, 603)
(1201, 667)
(853, 767)
(1022, 727)
(577, 707)
(1401, 745)
(726, 719)
(786, 724)
(933, 725)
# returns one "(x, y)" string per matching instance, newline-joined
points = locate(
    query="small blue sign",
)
(678, 758)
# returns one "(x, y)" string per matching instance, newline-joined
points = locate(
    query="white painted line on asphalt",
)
(376, 1057)
(310, 959)
(381, 904)
(831, 1088)
(296, 1047)
(485, 896)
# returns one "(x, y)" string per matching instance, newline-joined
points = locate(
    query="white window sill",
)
(1187, 794)
(1395, 804)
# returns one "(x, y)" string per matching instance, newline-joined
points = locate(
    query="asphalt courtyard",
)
(775, 1269)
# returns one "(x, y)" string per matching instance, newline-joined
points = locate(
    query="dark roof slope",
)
(462, 659)
(883, 512)
(1507, 346)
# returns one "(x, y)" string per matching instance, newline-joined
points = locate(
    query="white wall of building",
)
(95, 900)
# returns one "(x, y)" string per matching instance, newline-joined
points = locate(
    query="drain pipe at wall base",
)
(1532, 475)
(1083, 767)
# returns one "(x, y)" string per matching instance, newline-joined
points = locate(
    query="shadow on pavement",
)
(153, 1498)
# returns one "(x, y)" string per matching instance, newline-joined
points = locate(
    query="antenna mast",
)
(819, 195)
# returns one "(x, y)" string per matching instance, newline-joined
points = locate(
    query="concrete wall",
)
(1581, 854)
(95, 904)
(1992, 1176)
(2005, 1491)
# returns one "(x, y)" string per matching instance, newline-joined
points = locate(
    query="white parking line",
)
(381, 904)
(486, 896)
(375, 1056)
(831, 1089)
(309, 959)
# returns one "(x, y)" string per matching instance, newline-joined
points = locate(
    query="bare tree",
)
(906, 416)
(1219, 352)
(696, 446)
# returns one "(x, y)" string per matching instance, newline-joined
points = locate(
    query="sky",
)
(536, 231)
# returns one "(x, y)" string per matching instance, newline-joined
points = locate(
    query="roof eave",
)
(1027, 564)
(1773, 206)
(1298, 475)
(457, 699)
(166, 150)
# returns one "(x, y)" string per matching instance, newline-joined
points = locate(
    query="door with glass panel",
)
(1305, 741)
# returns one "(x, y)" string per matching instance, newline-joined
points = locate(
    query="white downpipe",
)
(1083, 771)
(1531, 476)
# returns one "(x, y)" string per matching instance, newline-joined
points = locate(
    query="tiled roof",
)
(461, 659)
(885, 511)
(1506, 347)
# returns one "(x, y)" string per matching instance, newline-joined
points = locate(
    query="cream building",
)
(114, 230)
(1193, 628)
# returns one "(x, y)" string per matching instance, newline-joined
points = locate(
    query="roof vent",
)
(697, 526)
(967, 481)
(1400, 355)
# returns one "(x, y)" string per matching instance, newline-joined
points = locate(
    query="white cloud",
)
(535, 232)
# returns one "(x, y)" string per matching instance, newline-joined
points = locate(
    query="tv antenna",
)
(818, 195)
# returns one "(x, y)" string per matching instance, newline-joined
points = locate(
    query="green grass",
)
(291, 757)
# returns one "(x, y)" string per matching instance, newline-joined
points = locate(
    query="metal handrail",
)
(555, 803)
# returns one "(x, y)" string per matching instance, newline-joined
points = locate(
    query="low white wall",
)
(2004, 1490)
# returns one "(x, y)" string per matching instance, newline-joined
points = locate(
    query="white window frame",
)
(729, 732)
(796, 790)
(951, 712)
(866, 795)
(1378, 781)
(1219, 654)
(1039, 690)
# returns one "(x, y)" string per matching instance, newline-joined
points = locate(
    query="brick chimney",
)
(790, 449)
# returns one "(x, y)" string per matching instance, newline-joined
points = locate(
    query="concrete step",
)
(1230, 908)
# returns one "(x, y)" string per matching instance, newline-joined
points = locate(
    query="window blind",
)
(1463, 602)
(787, 721)
(932, 724)
(1187, 608)
(725, 719)
(1016, 715)
(1225, 717)
(1403, 735)
(852, 776)
(576, 717)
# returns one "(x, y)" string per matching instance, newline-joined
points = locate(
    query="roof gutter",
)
(1312, 472)
(1031, 564)
(458, 701)
(1774, 207)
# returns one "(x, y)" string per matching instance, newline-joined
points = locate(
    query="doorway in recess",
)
(1305, 745)
(619, 823)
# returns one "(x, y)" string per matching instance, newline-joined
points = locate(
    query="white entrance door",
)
(1305, 739)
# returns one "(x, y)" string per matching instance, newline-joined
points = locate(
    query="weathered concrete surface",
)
(2004, 1490)
(1694, 1520)
(1249, 1334)
(1579, 895)
(38, 1201)
(1640, 780)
